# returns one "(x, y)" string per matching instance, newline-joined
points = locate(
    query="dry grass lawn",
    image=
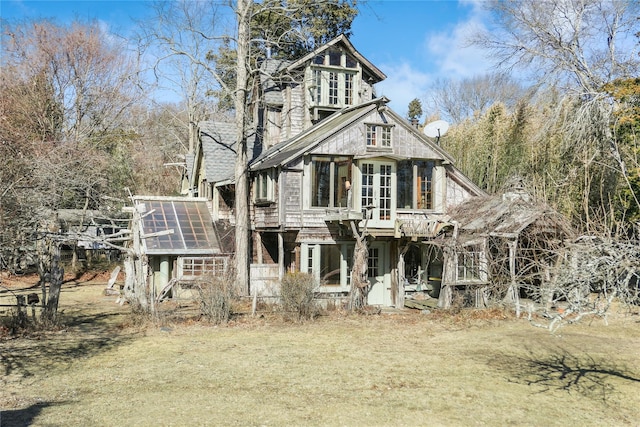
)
(388, 370)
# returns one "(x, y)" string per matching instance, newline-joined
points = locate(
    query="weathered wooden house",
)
(331, 161)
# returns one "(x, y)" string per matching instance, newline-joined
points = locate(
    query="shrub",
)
(216, 295)
(297, 295)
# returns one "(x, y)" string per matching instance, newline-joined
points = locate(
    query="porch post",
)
(280, 255)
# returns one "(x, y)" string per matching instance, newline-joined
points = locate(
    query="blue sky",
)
(412, 42)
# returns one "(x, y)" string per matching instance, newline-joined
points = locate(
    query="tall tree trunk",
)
(243, 11)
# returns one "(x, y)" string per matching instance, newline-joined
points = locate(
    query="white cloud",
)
(403, 84)
(451, 52)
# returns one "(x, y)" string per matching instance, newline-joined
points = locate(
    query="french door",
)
(378, 193)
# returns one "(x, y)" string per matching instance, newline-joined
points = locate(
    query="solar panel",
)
(178, 226)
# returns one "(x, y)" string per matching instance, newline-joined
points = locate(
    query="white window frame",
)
(310, 262)
(471, 264)
(192, 267)
(379, 135)
(335, 92)
(261, 194)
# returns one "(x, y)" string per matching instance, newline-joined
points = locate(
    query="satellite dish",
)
(436, 129)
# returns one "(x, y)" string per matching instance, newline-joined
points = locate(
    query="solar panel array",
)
(178, 227)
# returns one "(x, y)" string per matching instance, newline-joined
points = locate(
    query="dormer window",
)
(379, 135)
(332, 81)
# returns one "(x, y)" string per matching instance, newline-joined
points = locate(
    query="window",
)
(317, 86)
(348, 89)
(328, 263)
(367, 185)
(373, 262)
(330, 181)
(264, 191)
(415, 184)
(378, 135)
(470, 264)
(332, 87)
(203, 266)
(335, 57)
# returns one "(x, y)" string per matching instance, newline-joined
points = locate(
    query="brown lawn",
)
(402, 369)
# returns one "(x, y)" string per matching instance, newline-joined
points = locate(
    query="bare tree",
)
(578, 47)
(177, 43)
(471, 97)
(65, 91)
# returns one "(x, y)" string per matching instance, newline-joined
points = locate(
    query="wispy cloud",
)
(404, 84)
(446, 54)
(454, 55)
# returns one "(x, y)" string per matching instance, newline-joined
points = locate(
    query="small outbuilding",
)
(501, 248)
(174, 241)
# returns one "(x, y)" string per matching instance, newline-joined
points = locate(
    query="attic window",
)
(318, 60)
(378, 135)
(334, 58)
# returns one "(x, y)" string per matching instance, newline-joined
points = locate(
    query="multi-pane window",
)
(332, 85)
(385, 192)
(330, 181)
(373, 262)
(333, 88)
(470, 266)
(424, 179)
(317, 86)
(203, 266)
(415, 184)
(348, 89)
(367, 185)
(378, 135)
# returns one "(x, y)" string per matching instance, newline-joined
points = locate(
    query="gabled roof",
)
(176, 226)
(217, 148)
(367, 66)
(284, 152)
